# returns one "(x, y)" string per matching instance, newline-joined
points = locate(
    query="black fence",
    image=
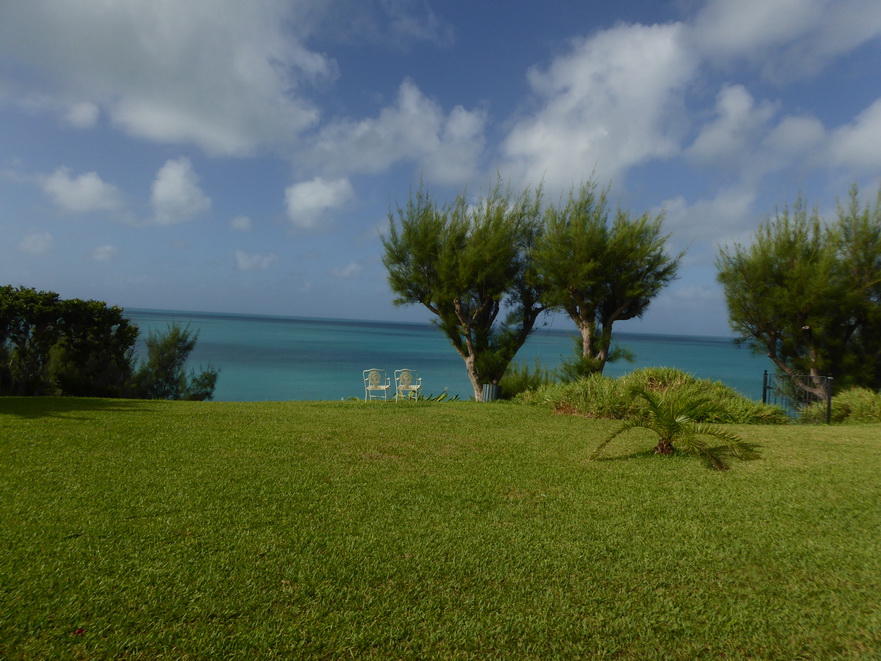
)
(802, 405)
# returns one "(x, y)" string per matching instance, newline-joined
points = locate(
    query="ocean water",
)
(290, 358)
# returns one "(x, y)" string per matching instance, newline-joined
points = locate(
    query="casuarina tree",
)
(601, 268)
(808, 294)
(470, 266)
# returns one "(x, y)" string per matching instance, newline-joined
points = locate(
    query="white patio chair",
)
(376, 384)
(408, 383)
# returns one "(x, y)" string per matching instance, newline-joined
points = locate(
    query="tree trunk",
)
(588, 348)
(815, 387)
(474, 377)
(664, 446)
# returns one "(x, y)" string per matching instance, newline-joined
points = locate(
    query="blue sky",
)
(228, 156)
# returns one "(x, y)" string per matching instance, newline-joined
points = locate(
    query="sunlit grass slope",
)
(162, 530)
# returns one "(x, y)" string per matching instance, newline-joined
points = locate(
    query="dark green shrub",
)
(94, 356)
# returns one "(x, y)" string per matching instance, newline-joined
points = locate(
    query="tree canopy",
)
(53, 346)
(808, 293)
(488, 271)
(600, 269)
(469, 265)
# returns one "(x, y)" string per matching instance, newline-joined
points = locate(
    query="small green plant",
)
(519, 378)
(852, 406)
(443, 397)
(674, 419)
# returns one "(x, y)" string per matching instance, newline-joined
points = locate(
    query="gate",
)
(782, 390)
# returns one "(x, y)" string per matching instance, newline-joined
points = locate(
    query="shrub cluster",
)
(53, 346)
(598, 396)
(520, 378)
(855, 405)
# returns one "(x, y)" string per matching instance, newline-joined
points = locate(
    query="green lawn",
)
(165, 530)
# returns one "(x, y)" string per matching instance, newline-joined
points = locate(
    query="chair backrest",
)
(407, 382)
(374, 378)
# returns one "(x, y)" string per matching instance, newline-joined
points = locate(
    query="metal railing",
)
(783, 390)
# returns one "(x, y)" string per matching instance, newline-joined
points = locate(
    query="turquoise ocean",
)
(268, 358)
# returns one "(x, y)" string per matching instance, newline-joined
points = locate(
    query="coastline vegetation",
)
(55, 346)
(807, 293)
(604, 397)
(488, 270)
(163, 530)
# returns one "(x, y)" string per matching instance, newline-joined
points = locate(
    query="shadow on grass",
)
(722, 455)
(43, 407)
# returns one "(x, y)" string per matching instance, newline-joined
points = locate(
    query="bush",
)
(599, 396)
(163, 374)
(852, 406)
(519, 378)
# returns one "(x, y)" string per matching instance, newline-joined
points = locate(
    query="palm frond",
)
(626, 426)
(729, 438)
(673, 419)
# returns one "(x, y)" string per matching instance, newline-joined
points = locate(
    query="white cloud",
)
(445, 147)
(308, 201)
(349, 270)
(856, 145)
(83, 115)
(742, 27)
(414, 21)
(83, 194)
(105, 253)
(241, 224)
(612, 102)
(743, 138)
(225, 75)
(400, 24)
(731, 136)
(701, 226)
(253, 261)
(785, 38)
(797, 136)
(36, 243)
(176, 194)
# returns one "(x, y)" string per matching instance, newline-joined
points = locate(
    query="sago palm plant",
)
(677, 419)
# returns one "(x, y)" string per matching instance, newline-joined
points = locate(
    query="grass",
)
(178, 530)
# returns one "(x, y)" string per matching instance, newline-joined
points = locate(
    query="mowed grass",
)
(166, 530)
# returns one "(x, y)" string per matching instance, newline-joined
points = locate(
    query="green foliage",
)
(809, 294)
(520, 378)
(579, 365)
(68, 347)
(469, 266)
(442, 397)
(674, 416)
(163, 374)
(594, 396)
(852, 406)
(93, 357)
(30, 325)
(600, 270)
(86, 348)
(603, 397)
